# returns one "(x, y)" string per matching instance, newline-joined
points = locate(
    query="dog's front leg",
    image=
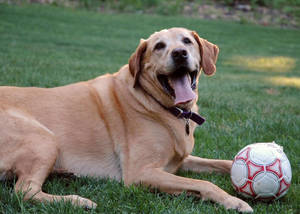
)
(166, 182)
(197, 164)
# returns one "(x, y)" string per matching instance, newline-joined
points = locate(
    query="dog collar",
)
(180, 113)
(187, 115)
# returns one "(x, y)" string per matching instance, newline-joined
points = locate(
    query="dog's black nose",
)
(179, 55)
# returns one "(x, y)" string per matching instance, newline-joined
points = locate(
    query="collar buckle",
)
(179, 113)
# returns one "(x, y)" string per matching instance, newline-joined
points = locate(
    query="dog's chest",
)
(183, 141)
(183, 147)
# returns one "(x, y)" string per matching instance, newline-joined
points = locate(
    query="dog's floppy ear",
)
(135, 61)
(209, 54)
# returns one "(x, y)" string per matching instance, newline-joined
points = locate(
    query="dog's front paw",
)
(238, 204)
(88, 204)
(83, 202)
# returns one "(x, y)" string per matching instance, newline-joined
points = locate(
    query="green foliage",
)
(170, 7)
(243, 102)
(165, 7)
(89, 4)
(130, 5)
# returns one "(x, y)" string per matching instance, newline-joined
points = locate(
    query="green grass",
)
(254, 96)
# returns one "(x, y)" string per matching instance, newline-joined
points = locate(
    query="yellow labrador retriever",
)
(135, 125)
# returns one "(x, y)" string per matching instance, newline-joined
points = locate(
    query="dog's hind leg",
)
(32, 167)
(29, 149)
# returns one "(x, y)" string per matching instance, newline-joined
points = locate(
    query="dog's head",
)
(167, 65)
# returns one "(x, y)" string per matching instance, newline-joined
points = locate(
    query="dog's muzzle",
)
(179, 56)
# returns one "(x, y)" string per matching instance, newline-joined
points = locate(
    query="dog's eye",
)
(159, 46)
(186, 40)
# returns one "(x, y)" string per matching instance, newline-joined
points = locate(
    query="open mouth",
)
(180, 84)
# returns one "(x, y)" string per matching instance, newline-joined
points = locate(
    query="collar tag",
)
(187, 126)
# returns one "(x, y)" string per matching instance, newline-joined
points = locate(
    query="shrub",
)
(268, 3)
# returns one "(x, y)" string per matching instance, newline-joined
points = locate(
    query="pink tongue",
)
(183, 90)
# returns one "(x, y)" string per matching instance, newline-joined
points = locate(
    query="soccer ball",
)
(261, 171)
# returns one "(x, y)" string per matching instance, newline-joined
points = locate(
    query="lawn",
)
(254, 96)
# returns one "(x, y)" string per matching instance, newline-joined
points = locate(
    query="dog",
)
(135, 125)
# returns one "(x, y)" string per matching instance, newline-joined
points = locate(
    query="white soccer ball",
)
(261, 171)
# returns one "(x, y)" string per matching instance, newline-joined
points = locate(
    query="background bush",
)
(268, 3)
(172, 7)
(169, 6)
